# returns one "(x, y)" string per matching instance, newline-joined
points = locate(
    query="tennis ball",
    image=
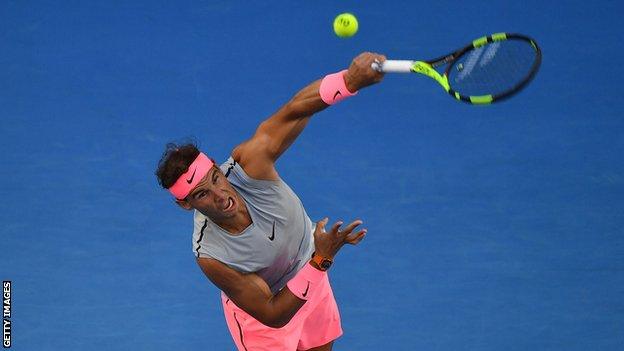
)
(345, 25)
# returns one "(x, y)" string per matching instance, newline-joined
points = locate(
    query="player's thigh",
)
(322, 325)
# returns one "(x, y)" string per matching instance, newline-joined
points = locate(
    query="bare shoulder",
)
(250, 156)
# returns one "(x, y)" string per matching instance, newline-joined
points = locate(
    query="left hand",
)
(327, 244)
(360, 73)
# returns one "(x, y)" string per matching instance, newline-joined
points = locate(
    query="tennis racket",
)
(489, 69)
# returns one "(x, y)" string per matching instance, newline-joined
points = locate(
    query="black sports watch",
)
(322, 262)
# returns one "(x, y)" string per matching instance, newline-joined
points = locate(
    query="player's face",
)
(214, 196)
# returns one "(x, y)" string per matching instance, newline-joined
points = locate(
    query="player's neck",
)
(237, 223)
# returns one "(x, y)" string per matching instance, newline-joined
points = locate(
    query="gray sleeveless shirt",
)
(276, 244)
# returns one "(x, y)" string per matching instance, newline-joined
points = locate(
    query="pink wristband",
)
(305, 282)
(333, 88)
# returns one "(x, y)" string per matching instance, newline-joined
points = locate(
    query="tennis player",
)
(252, 236)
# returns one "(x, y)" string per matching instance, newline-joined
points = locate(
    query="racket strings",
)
(493, 68)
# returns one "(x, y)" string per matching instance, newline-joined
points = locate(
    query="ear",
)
(184, 204)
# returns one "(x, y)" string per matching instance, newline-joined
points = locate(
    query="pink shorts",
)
(315, 324)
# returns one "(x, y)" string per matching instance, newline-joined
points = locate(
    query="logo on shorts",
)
(193, 176)
(305, 293)
(272, 233)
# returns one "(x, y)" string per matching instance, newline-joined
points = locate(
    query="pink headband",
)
(187, 181)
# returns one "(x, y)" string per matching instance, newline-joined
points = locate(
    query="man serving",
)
(252, 236)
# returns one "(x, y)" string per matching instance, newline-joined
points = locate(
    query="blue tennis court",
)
(490, 228)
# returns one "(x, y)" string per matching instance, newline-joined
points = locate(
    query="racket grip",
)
(393, 66)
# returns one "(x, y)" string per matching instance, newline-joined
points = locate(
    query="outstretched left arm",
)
(257, 155)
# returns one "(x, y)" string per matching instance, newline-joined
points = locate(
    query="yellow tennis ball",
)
(345, 25)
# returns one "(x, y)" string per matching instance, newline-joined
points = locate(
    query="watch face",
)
(326, 264)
